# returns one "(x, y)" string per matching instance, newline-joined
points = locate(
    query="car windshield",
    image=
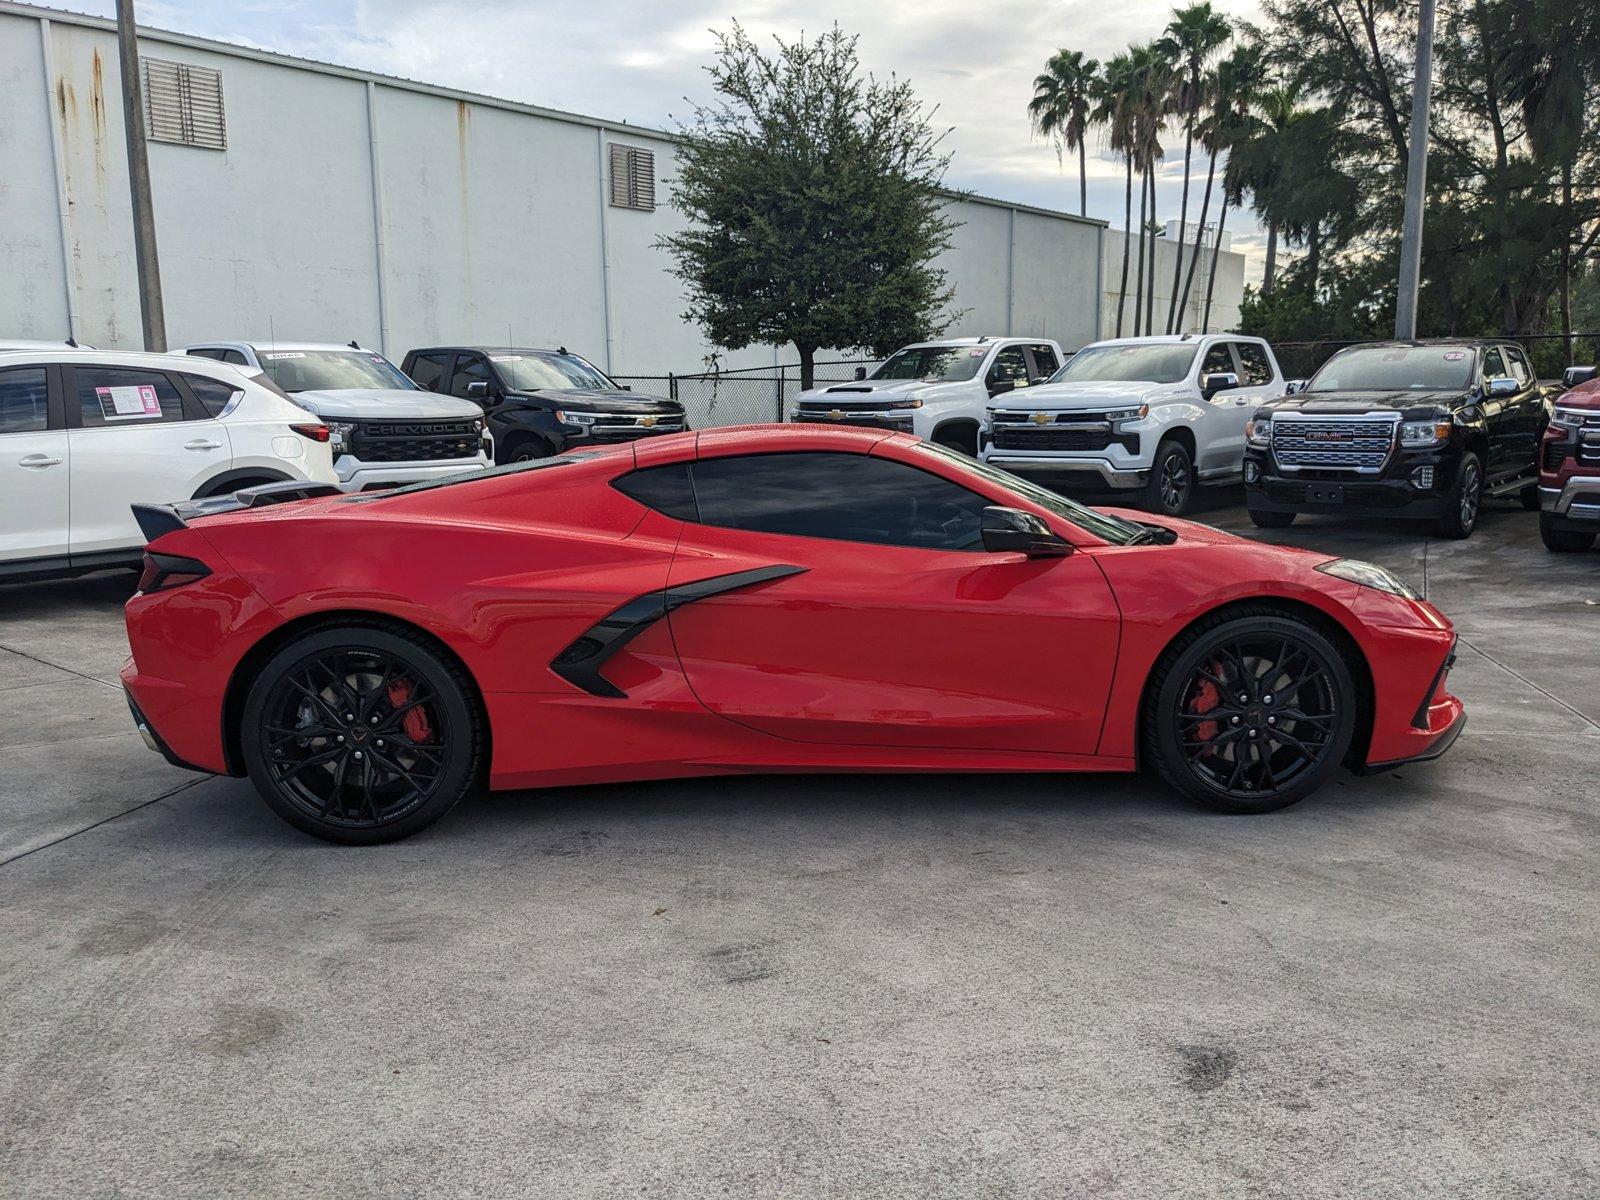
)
(933, 364)
(1164, 363)
(1104, 526)
(532, 372)
(1396, 369)
(332, 371)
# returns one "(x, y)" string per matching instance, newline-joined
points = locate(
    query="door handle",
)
(38, 461)
(202, 444)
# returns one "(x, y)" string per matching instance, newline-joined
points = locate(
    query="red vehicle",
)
(1569, 467)
(771, 599)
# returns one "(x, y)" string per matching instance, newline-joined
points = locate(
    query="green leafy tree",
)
(1060, 107)
(814, 203)
(1115, 101)
(1231, 93)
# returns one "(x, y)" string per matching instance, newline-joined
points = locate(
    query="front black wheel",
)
(1253, 711)
(1262, 519)
(362, 734)
(1461, 505)
(1172, 480)
(1562, 541)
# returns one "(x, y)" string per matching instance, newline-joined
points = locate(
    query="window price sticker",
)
(137, 403)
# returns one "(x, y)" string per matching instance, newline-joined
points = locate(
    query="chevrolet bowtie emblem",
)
(647, 422)
(1041, 418)
(836, 414)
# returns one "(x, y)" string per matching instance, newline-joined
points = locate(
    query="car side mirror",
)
(627, 387)
(861, 372)
(1000, 386)
(1295, 385)
(478, 390)
(1217, 381)
(1573, 376)
(1502, 385)
(1012, 531)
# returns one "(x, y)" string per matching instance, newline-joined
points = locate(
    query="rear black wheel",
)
(1253, 711)
(1562, 541)
(361, 734)
(1262, 519)
(961, 440)
(1529, 496)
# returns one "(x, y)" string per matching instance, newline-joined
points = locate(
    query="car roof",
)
(462, 347)
(987, 339)
(36, 344)
(1174, 339)
(121, 358)
(272, 347)
(1424, 343)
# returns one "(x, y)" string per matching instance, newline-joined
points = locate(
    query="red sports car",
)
(770, 599)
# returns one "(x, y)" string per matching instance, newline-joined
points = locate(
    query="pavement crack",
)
(1515, 674)
(166, 795)
(45, 662)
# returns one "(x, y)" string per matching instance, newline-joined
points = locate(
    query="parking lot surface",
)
(906, 986)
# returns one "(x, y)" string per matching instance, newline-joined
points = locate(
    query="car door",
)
(893, 626)
(1502, 415)
(1008, 370)
(136, 437)
(1045, 362)
(1220, 444)
(1531, 412)
(34, 466)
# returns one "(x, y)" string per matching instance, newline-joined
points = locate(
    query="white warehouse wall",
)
(489, 217)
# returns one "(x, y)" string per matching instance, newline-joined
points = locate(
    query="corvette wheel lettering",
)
(579, 664)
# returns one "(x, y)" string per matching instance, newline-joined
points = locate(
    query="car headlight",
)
(1370, 575)
(1568, 418)
(576, 418)
(1126, 416)
(1424, 433)
(1258, 432)
(339, 434)
(914, 402)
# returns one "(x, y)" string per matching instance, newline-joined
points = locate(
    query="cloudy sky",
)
(637, 60)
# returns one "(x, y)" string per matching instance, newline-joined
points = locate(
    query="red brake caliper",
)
(415, 722)
(1206, 698)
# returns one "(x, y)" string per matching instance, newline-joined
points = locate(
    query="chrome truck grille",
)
(1360, 444)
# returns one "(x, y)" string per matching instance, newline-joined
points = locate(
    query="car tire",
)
(1262, 519)
(1464, 501)
(959, 440)
(1563, 541)
(1529, 496)
(1285, 701)
(361, 734)
(1170, 489)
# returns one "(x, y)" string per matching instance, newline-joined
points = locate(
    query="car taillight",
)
(317, 433)
(164, 571)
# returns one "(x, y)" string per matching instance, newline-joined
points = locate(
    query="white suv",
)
(86, 434)
(386, 429)
(1156, 415)
(936, 390)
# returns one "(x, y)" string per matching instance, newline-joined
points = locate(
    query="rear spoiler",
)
(158, 519)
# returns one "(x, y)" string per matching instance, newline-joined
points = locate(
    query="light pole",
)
(1405, 308)
(151, 313)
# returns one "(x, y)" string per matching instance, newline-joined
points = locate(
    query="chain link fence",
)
(750, 396)
(1300, 360)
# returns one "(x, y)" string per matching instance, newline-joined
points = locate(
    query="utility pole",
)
(151, 313)
(1405, 309)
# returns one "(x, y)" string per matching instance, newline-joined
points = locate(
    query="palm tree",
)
(1193, 36)
(1153, 78)
(1259, 147)
(1060, 109)
(1230, 91)
(1113, 111)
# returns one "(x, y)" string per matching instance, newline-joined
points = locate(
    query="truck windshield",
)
(531, 372)
(1396, 369)
(332, 371)
(1163, 363)
(934, 364)
(1103, 525)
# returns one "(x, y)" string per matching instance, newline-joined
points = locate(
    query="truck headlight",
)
(584, 419)
(1258, 432)
(1414, 434)
(339, 435)
(1127, 416)
(1568, 418)
(914, 402)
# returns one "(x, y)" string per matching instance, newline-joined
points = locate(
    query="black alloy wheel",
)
(1250, 714)
(361, 734)
(1171, 485)
(1465, 499)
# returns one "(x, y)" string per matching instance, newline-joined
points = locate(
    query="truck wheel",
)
(1262, 519)
(1562, 541)
(522, 450)
(1461, 505)
(962, 441)
(1171, 485)
(1530, 497)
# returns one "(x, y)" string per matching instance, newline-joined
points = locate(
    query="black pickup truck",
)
(1401, 429)
(541, 402)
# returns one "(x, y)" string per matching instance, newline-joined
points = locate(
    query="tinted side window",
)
(1519, 366)
(1217, 359)
(206, 352)
(1254, 369)
(235, 357)
(1493, 365)
(430, 371)
(1010, 364)
(666, 489)
(24, 400)
(469, 369)
(1044, 360)
(213, 394)
(847, 497)
(121, 396)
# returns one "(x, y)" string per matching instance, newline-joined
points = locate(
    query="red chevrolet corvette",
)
(770, 599)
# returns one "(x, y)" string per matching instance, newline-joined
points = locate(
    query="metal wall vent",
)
(183, 104)
(633, 178)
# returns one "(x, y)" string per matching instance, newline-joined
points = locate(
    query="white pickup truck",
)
(1152, 415)
(937, 390)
